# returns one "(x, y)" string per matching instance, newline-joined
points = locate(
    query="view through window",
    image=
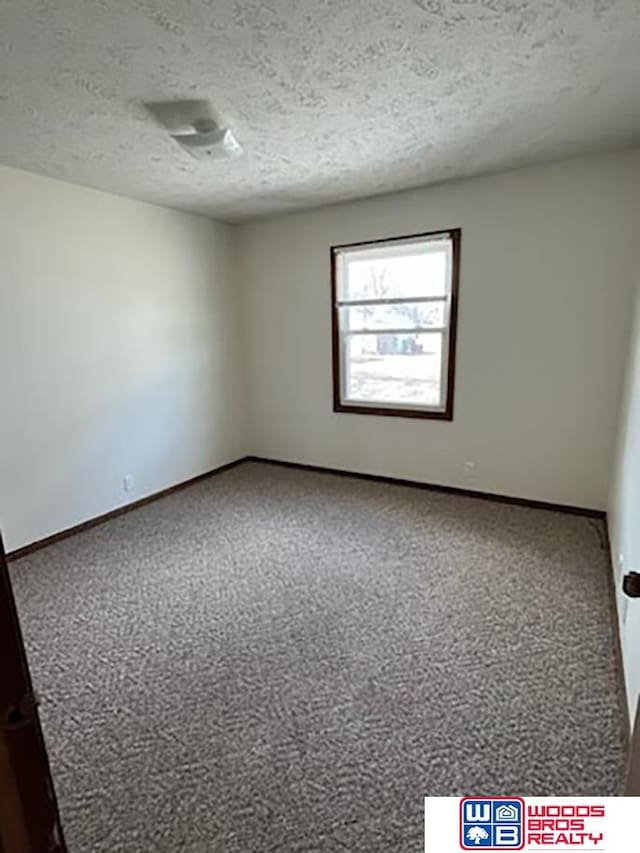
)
(394, 318)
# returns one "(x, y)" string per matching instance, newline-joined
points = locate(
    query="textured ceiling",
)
(330, 99)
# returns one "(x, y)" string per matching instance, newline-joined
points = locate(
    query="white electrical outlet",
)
(127, 482)
(469, 470)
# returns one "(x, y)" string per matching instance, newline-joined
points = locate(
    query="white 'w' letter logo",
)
(480, 812)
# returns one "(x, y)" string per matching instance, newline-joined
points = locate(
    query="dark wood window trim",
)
(446, 414)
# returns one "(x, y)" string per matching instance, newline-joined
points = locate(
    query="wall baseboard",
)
(435, 487)
(338, 472)
(114, 513)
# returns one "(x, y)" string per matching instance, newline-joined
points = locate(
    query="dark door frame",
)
(29, 816)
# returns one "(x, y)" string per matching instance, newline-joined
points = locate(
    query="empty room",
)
(319, 426)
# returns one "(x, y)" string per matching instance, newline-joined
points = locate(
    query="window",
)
(394, 325)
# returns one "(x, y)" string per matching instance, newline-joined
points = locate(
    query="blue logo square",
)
(492, 824)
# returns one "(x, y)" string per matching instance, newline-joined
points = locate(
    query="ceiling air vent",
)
(210, 143)
(193, 126)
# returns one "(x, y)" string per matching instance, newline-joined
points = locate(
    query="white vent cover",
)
(193, 126)
(209, 145)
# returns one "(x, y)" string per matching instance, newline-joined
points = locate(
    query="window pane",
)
(422, 273)
(406, 315)
(400, 369)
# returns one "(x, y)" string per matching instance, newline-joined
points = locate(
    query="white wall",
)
(122, 340)
(624, 515)
(548, 268)
(119, 352)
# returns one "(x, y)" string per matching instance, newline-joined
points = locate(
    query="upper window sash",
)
(435, 285)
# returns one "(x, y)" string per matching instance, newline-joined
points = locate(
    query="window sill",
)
(424, 414)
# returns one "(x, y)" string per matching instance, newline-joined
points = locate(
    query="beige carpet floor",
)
(277, 660)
